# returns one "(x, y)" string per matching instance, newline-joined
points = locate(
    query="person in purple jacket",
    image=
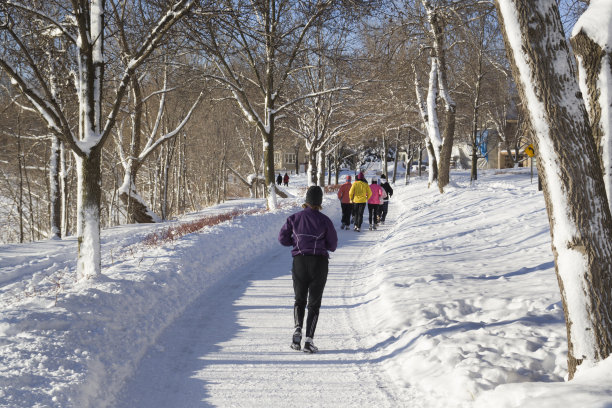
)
(312, 235)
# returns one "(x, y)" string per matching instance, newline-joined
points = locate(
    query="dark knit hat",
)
(382, 176)
(314, 196)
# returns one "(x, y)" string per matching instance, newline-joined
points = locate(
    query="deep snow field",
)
(452, 303)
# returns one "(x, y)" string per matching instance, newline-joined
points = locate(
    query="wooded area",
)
(195, 118)
(121, 111)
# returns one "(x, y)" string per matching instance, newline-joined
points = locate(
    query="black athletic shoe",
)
(309, 347)
(296, 343)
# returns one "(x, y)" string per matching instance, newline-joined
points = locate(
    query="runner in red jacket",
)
(345, 203)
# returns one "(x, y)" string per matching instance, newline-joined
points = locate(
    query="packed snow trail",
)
(231, 347)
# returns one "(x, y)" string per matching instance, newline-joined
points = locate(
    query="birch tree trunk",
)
(578, 211)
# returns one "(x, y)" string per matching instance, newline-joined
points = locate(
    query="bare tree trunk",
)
(20, 166)
(55, 216)
(88, 217)
(65, 226)
(329, 169)
(421, 158)
(437, 25)
(433, 164)
(384, 152)
(447, 147)
(321, 168)
(396, 156)
(312, 167)
(34, 231)
(578, 210)
(166, 183)
(596, 66)
(474, 171)
(337, 163)
(475, 108)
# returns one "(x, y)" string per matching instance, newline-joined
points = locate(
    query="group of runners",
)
(312, 236)
(354, 197)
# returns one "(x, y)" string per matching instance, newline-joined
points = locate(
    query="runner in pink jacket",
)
(374, 203)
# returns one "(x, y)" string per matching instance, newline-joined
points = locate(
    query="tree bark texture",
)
(395, 157)
(569, 168)
(88, 215)
(447, 149)
(433, 163)
(137, 211)
(321, 168)
(437, 24)
(596, 65)
(474, 171)
(55, 190)
(384, 152)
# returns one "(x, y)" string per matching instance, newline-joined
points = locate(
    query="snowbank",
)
(67, 344)
(455, 299)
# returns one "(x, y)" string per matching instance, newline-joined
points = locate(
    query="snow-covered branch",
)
(171, 134)
(28, 8)
(312, 95)
(146, 48)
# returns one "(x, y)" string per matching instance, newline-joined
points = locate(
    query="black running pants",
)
(373, 213)
(359, 209)
(309, 275)
(347, 209)
(383, 210)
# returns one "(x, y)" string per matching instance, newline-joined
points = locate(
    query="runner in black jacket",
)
(385, 206)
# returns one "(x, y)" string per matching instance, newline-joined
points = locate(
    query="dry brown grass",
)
(176, 231)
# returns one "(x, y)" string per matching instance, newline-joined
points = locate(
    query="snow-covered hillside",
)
(453, 302)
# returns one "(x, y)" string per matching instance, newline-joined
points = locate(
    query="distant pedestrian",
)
(286, 180)
(359, 194)
(374, 203)
(385, 205)
(345, 203)
(279, 179)
(312, 234)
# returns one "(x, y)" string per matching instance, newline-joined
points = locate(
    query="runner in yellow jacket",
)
(359, 194)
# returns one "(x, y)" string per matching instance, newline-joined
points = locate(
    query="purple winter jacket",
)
(310, 232)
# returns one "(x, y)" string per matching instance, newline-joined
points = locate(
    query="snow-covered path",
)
(233, 345)
(452, 304)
